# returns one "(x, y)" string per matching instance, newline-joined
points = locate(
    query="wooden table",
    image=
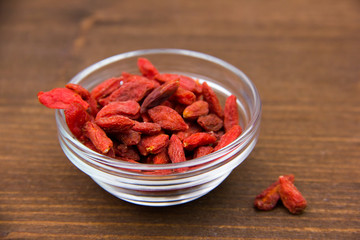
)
(304, 58)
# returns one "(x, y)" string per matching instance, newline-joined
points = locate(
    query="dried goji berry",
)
(116, 123)
(129, 138)
(159, 95)
(168, 118)
(193, 128)
(83, 92)
(127, 152)
(229, 137)
(202, 151)
(76, 116)
(153, 144)
(145, 117)
(213, 101)
(168, 104)
(105, 88)
(290, 196)
(60, 98)
(136, 88)
(161, 158)
(147, 128)
(98, 137)
(231, 114)
(128, 109)
(269, 197)
(176, 152)
(196, 110)
(210, 122)
(147, 68)
(186, 82)
(184, 96)
(198, 139)
(86, 96)
(179, 108)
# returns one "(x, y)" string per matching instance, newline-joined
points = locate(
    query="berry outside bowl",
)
(139, 183)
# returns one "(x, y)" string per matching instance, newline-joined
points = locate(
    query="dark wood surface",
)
(304, 58)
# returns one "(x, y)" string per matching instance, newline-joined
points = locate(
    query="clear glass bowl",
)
(139, 183)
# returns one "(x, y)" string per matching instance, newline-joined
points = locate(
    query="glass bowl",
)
(139, 183)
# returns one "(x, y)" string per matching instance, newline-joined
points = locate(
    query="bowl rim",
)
(244, 138)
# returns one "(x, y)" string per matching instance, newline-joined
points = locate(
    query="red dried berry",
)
(147, 68)
(176, 152)
(98, 137)
(60, 98)
(229, 137)
(147, 128)
(167, 118)
(196, 110)
(202, 151)
(213, 101)
(153, 144)
(269, 197)
(197, 140)
(290, 196)
(116, 123)
(128, 152)
(129, 138)
(210, 122)
(136, 88)
(159, 95)
(105, 88)
(231, 114)
(184, 96)
(76, 116)
(128, 109)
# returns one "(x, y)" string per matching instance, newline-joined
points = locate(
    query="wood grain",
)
(304, 58)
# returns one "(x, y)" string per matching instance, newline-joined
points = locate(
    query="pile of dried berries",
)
(149, 118)
(285, 190)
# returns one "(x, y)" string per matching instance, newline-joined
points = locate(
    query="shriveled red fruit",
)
(116, 123)
(153, 144)
(129, 137)
(196, 110)
(176, 152)
(210, 122)
(184, 96)
(167, 118)
(76, 116)
(128, 152)
(228, 137)
(60, 98)
(198, 139)
(231, 114)
(136, 88)
(269, 197)
(186, 82)
(147, 68)
(145, 117)
(147, 128)
(161, 158)
(128, 109)
(290, 196)
(211, 98)
(202, 151)
(86, 96)
(193, 128)
(83, 92)
(98, 137)
(105, 88)
(159, 95)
